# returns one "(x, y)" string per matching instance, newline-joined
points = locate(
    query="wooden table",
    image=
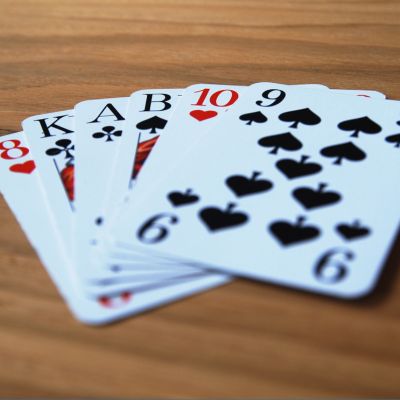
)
(244, 339)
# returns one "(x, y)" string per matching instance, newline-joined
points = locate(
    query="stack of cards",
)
(132, 203)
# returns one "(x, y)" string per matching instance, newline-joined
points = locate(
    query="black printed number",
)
(274, 95)
(155, 229)
(331, 266)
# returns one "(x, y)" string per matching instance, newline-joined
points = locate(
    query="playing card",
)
(286, 193)
(50, 139)
(21, 187)
(147, 115)
(99, 126)
(153, 168)
(121, 257)
(163, 103)
(104, 136)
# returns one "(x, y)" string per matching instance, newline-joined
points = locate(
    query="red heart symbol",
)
(201, 115)
(25, 168)
(116, 301)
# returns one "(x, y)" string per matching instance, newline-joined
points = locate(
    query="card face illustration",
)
(286, 193)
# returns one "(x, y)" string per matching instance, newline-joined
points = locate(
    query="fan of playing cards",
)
(132, 203)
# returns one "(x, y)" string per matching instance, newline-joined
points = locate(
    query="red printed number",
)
(228, 98)
(12, 150)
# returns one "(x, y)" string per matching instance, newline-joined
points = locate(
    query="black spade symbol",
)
(303, 116)
(288, 233)
(296, 169)
(285, 141)
(311, 198)
(180, 199)
(243, 186)
(394, 139)
(352, 231)
(152, 123)
(257, 117)
(216, 219)
(345, 151)
(360, 125)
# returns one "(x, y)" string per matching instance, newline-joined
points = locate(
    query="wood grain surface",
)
(242, 340)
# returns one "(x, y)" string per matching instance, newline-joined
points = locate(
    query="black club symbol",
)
(63, 146)
(108, 131)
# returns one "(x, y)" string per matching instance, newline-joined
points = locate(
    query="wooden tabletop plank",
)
(246, 338)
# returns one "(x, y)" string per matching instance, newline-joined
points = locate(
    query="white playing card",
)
(98, 126)
(121, 257)
(317, 167)
(21, 188)
(140, 101)
(121, 261)
(147, 115)
(50, 138)
(105, 155)
(99, 129)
